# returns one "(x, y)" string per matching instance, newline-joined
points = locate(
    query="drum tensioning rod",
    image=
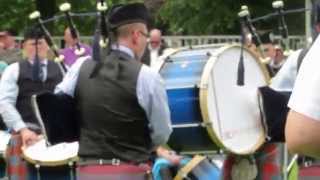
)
(197, 85)
(190, 125)
(207, 153)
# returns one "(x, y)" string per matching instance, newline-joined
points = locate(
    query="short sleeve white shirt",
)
(305, 98)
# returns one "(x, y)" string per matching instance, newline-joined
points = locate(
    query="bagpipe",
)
(58, 57)
(101, 34)
(273, 103)
(280, 14)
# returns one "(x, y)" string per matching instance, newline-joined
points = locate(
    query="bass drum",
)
(209, 111)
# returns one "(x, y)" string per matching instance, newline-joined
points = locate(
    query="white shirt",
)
(286, 76)
(305, 98)
(9, 91)
(154, 53)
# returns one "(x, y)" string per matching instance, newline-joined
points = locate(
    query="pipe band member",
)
(122, 105)
(20, 80)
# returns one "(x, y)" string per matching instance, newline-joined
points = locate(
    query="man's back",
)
(109, 110)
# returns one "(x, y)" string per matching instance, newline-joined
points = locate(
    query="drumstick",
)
(65, 8)
(58, 57)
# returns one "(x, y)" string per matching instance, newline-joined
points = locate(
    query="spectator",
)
(155, 48)
(69, 51)
(9, 49)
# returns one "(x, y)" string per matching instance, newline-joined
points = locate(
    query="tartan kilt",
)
(16, 166)
(113, 172)
(268, 159)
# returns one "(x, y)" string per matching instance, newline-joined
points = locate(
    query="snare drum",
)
(51, 162)
(208, 110)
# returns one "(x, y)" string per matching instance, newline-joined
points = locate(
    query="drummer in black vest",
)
(122, 104)
(20, 81)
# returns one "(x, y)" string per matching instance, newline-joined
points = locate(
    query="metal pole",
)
(285, 161)
(308, 22)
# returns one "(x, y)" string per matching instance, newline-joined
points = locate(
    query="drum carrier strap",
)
(263, 120)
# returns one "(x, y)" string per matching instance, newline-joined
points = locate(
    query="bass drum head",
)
(232, 112)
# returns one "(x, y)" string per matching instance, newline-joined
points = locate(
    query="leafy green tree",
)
(14, 13)
(194, 17)
(205, 17)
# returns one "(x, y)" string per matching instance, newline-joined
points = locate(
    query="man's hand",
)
(169, 155)
(28, 137)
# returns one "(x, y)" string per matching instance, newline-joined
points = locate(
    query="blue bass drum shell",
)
(182, 73)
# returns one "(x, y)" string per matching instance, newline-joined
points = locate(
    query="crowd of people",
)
(121, 102)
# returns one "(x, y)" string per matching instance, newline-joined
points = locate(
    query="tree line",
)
(174, 17)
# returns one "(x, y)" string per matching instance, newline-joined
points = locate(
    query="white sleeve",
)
(153, 99)
(8, 96)
(285, 78)
(305, 98)
(69, 82)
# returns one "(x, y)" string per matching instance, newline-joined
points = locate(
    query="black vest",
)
(28, 87)
(112, 123)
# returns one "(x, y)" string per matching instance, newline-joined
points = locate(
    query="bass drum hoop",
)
(44, 163)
